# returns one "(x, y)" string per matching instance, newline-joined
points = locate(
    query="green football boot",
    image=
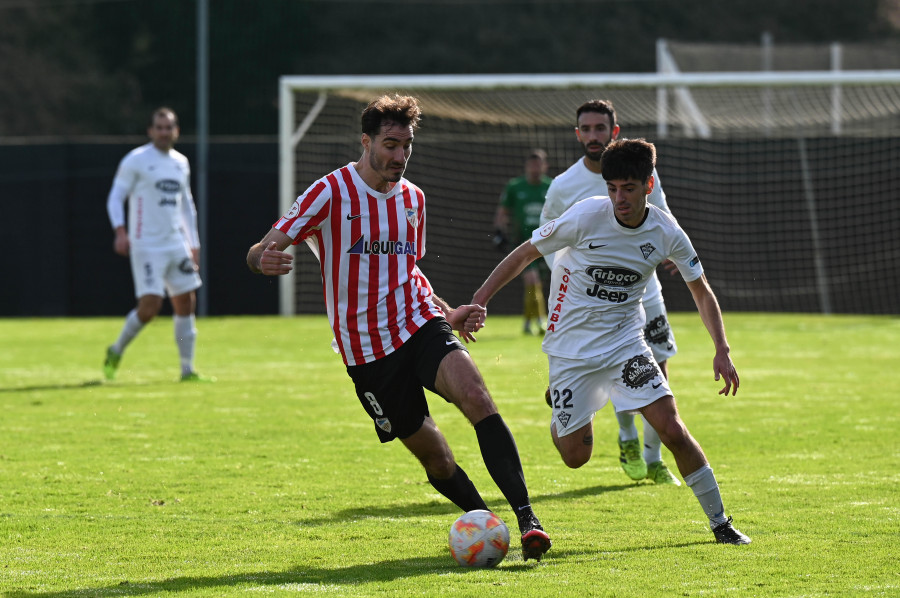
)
(111, 365)
(632, 459)
(658, 473)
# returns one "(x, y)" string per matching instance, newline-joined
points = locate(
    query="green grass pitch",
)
(272, 482)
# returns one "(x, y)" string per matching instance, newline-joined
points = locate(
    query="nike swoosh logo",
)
(349, 217)
(451, 342)
(592, 246)
(655, 386)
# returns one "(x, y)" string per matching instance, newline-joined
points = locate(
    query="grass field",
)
(271, 481)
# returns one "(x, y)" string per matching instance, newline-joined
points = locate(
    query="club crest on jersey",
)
(647, 249)
(384, 423)
(412, 217)
(294, 211)
(375, 247)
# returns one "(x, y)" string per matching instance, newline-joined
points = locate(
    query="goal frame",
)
(291, 133)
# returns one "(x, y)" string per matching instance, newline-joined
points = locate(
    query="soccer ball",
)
(479, 539)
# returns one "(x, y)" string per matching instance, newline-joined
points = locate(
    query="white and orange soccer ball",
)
(479, 539)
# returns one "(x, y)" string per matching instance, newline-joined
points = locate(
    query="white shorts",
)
(157, 271)
(629, 375)
(658, 333)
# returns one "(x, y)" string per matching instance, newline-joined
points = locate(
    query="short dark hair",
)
(599, 106)
(402, 110)
(536, 154)
(163, 111)
(625, 159)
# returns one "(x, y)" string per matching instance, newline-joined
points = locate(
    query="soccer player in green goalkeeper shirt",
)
(518, 214)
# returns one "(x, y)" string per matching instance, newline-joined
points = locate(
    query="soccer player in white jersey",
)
(595, 127)
(161, 239)
(366, 223)
(610, 247)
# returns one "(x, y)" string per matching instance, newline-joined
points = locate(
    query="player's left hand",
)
(724, 368)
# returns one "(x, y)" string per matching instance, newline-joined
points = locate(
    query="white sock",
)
(652, 443)
(132, 327)
(627, 429)
(185, 338)
(706, 489)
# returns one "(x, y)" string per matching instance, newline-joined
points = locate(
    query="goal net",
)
(786, 182)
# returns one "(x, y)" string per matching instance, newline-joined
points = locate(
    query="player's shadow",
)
(430, 508)
(86, 384)
(296, 579)
(60, 386)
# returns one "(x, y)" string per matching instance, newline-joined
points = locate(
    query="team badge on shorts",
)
(638, 371)
(384, 423)
(564, 418)
(187, 266)
(657, 331)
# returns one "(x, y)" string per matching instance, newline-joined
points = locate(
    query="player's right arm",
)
(268, 256)
(511, 266)
(122, 185)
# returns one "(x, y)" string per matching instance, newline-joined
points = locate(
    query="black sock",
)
(501, 457)
(460, 490)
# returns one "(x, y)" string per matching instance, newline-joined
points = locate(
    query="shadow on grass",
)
(310, 578)
(435, 507)
(380, 572)
(61, 386)
(89, 384)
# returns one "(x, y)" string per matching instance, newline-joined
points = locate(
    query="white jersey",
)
(578, 182)
(597, 283)
(367, 244)
(161, 211)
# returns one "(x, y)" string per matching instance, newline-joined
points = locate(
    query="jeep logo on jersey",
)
(168, 201)
(168, 186)
(613, 277)
(361, 246)
(638, 371)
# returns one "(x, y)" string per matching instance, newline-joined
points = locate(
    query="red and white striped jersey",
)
(367, 244)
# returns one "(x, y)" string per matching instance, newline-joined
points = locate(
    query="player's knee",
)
(575, 459)
(574, 456)
(476, 403)
(674, 434)
(440, 465)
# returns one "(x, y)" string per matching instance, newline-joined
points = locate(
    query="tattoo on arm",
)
(588, 439)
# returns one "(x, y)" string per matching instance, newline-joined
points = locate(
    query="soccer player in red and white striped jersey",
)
(366, 224)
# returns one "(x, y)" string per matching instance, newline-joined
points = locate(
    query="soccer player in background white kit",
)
(609, 247)
(161, 240)
(595, 127)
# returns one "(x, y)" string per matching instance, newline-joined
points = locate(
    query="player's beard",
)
(593, 154)
(385, 170)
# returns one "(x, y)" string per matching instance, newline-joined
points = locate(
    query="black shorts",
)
(390, 388)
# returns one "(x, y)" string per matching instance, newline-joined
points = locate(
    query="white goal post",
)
(680, 105)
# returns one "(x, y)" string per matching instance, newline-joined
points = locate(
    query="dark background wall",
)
(742, 202)
(57, 242)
